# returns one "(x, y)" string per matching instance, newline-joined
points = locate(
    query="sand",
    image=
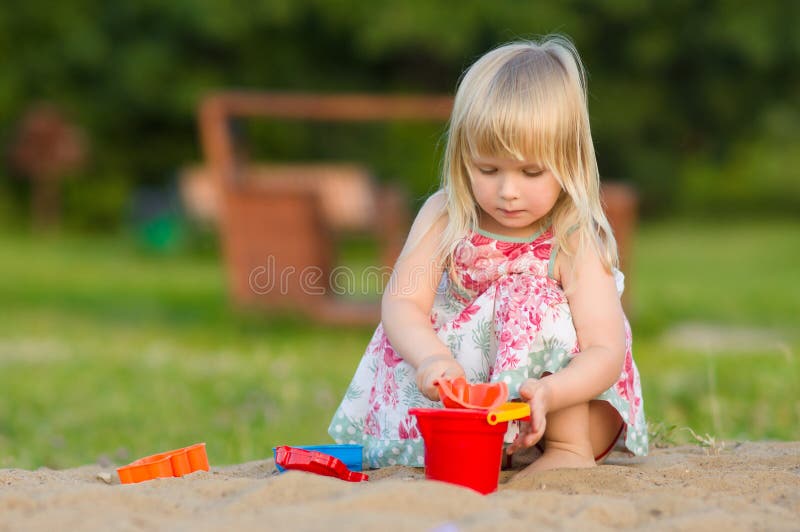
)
(745, 486)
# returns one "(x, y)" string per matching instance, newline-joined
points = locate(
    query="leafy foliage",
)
(695, 102)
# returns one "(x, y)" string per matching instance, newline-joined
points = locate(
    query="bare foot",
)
(555, 457)
(522, 458)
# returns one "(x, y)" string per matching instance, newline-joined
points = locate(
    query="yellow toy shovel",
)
(508, 412)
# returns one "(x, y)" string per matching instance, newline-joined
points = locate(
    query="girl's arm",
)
(600, 325)
(409, 295)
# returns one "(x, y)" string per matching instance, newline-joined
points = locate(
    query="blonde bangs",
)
(518, 112)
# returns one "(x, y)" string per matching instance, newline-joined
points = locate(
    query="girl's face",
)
(514, 196)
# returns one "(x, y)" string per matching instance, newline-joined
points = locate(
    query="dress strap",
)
(551, 264)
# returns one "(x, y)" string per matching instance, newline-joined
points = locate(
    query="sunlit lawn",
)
(739, 280)
(106, 351)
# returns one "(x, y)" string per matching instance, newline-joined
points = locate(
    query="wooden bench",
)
(278, 223)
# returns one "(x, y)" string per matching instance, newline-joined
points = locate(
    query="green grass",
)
(728, 277)
(109, 352)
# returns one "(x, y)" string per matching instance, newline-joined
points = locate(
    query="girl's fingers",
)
(528, 437)
(524, 429)
(538, 419)
(531, 433)
(525, 390)
(524, 441)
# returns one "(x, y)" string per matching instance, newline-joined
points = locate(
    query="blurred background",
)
(118, 336)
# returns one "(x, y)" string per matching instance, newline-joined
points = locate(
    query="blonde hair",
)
(527, 100)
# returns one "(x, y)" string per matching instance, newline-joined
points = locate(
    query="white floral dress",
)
(507, 319)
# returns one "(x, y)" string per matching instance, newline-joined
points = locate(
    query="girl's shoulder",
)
(435, 205)
(565, 251)
(429, 222)
(433, 212)
(577, 251)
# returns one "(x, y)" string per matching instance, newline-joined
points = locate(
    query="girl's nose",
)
(508, 189)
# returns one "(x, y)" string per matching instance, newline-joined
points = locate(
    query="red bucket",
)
(461, 447)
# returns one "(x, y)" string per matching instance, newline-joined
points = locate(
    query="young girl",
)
(508, 274)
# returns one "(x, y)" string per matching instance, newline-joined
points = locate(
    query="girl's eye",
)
(486, 170)
(533, 173)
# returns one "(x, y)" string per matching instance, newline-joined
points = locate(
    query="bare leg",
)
(575, 435)
(604, 427)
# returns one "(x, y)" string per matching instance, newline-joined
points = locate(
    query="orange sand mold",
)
(175, 463)
(458, 393)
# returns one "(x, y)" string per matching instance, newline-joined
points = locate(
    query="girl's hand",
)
(538, 394)
(433, 368)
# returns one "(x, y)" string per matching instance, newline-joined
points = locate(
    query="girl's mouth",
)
(510, 213)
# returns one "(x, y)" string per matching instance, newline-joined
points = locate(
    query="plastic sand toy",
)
(175, 463)
(458, 393)
(491, 397)
(315, 462)
(461, 447)
(509, 412)
(464, 440)
(351, 454)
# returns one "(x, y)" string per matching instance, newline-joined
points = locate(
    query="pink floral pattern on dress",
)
(408, 428)
(628, 383)
(503, 318)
